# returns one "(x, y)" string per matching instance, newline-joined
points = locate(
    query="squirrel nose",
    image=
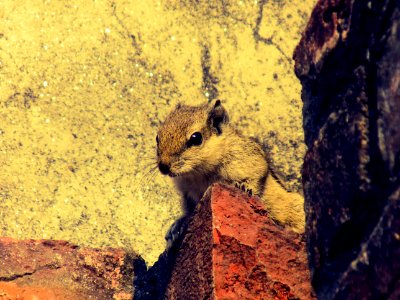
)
(164, 169)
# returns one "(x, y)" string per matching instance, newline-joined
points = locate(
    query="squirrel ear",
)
(218, 116)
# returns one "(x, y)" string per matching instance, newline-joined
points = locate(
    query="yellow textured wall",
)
(84, 85)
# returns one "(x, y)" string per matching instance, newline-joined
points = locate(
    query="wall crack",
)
(259, 38)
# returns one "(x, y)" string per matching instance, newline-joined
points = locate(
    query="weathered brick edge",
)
(232, 250)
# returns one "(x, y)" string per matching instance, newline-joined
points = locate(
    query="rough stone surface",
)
(47, 269)
(349, 66)
(232, 250)
(85, 84)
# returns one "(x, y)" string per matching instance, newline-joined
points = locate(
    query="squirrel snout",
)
(164, 169)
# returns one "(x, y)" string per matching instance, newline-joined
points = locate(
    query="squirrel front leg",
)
(177, 230)
(244, 187)
(246, 177)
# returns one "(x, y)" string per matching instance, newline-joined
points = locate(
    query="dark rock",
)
(349, 66)
(151, 284)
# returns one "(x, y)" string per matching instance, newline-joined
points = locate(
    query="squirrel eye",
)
(195, 139)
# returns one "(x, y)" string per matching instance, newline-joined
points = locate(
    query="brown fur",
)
(224, 156)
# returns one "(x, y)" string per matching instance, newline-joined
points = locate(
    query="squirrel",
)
(197, 146)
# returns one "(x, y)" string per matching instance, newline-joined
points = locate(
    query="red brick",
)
(232, 250)
(47, 269)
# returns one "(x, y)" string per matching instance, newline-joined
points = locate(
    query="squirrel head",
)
(187, 141)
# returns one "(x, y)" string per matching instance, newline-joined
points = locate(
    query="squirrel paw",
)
(242, 186)
(176, 231)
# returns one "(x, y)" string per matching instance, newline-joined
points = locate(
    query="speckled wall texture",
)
(84, 85)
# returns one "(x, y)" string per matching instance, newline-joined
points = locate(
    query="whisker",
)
(148, 172)
(149, 165)
(148, 159)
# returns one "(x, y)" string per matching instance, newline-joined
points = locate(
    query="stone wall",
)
(349, 64)
(85, 84)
